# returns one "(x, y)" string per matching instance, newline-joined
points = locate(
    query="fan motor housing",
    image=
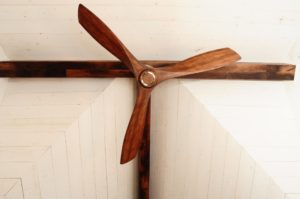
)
(148, 78)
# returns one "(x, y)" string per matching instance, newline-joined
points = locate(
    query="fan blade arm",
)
(104, 36)
(200, 63)
(134, 134)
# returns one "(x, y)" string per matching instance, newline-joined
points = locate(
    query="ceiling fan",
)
(147, 77)
(148, 74)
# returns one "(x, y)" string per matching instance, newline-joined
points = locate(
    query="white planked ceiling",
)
(45, 104)
(152, 29)
(53, 133)
(39, 148)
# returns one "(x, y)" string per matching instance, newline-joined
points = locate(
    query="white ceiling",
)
(153, 29)
(33, 113)
(265, 30)
(41, 105)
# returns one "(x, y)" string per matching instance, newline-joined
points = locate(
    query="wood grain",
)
(104, 36)
(48, 69)
(144, 158)
(147, 76)
(135, 130)
(208, 61)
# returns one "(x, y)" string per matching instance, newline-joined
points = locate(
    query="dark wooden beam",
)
(239, 70)
(144, 158)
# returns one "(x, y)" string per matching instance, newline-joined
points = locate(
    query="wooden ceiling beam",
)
(239, 70)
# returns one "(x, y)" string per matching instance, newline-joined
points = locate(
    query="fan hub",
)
(148, 78)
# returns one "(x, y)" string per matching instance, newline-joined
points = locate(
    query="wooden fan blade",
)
(135, 129)
(103, 35)
(200, 63)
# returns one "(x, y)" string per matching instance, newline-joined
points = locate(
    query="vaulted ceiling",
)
(45, 146)
(152, 29)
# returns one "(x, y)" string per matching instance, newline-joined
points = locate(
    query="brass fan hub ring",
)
(148, 78)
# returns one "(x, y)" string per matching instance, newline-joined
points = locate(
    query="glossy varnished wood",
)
(238, 70)
(148, 77)
(106, 38)
(208, 61)
(134, 133)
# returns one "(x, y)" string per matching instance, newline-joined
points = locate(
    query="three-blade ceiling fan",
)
(148, 74)
(147, 77)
